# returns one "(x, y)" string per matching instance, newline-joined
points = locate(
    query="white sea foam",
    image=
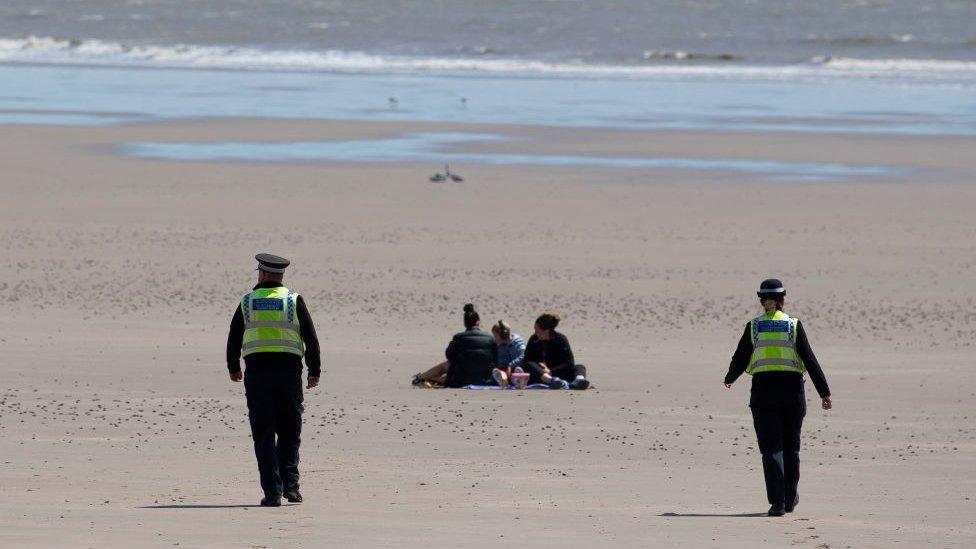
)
(900, 65)
(46, 50)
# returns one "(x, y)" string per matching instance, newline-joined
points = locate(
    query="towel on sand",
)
(497, 388)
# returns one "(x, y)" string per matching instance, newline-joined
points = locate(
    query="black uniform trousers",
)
(567, 372)
(274, 407)
(778, 430)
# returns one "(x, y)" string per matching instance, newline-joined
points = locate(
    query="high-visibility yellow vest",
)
(271, 322)
(774, 344)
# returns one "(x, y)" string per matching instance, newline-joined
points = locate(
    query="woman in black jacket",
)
(471, 355)
(549, 358)
(775, 351)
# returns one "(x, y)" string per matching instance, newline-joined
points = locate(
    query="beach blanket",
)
(497, 388)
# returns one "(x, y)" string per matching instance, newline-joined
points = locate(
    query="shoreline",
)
(860, 107)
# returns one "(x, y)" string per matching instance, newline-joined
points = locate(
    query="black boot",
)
(272, 500)
(293, 495)
(796, 501)
(777, 510)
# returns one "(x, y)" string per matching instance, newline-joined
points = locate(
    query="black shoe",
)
(777, 510)
(557, 384)
(796, 501)
(271, 501)
(293, 495)
(579, 384)
(417, 380)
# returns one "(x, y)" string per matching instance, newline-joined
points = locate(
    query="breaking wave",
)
(46, 50)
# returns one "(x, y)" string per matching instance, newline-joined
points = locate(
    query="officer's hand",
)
(728, 385)
(827, 404)
(312, 382)
(237, 376)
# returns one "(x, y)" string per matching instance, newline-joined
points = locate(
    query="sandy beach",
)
(119, 426)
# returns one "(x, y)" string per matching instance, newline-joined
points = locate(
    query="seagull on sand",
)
(439, 177)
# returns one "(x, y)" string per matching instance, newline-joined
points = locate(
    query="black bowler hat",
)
(272, 263)
(771, 289)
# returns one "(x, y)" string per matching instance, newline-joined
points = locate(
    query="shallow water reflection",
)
(440, 148)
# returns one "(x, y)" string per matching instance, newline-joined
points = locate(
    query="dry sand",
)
(119, 427)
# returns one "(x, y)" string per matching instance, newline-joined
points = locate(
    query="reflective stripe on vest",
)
(271, 343)
(285, 325)
(271, 322)
(774, 345)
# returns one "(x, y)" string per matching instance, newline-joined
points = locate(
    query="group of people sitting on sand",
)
(504, 359)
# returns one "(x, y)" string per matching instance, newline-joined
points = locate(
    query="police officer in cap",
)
(774, 350)
(272, 329)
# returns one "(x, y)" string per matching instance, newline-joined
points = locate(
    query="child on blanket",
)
(511, 354)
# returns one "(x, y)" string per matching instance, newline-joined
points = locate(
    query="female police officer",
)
(774, 350)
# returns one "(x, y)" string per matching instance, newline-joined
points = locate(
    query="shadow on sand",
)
(719, 515)
(198, 506)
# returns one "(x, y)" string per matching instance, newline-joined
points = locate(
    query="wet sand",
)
(118, 425)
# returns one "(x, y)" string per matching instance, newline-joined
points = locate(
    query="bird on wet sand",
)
(440, 177)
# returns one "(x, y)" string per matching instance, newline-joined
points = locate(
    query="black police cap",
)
(270, 263)
(771, 287)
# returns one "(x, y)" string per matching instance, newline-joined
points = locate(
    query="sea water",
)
(836, 66)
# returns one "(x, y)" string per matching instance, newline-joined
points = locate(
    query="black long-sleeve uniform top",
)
(275, 360)
(554, 352)
(471, 355)
(774, 388)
